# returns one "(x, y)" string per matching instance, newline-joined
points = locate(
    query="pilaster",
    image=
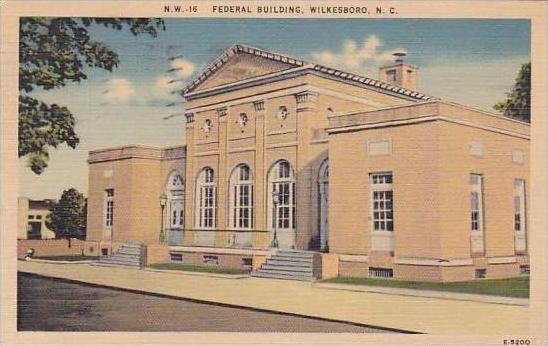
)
(306, 111)
(260, 170)
(190, 189)
(222, 177)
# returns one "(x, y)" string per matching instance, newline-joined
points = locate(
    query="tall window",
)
(382, 202)
(519, 206)
(241, 198)
(176, 195)
(282, 180)
(109, 208)
(476, 202)
(206, 195)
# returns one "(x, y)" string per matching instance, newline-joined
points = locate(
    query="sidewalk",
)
(416, 314)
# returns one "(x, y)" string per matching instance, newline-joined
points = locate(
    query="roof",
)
(43, 204)
(356, 78)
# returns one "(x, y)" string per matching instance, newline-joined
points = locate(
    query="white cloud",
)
(119, 90)
(166, 84)
(357, 57)
(183, 68)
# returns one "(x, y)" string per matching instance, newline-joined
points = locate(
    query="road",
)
(52, 305)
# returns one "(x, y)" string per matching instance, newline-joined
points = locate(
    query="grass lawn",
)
(67, 258)
(196, 268)
(513, 287)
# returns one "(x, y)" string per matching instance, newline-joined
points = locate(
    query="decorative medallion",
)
(282, 112)
(207, 126)
(242, 120)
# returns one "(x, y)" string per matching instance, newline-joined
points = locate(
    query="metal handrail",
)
(217, 230)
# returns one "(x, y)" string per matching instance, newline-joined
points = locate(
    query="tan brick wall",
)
(415, 168)
(224, 260)
(157, 253)
(49, 247)
(329, 265)
(138, 183)
(353, 269)
(498, 172)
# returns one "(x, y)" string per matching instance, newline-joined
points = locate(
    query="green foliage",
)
(518, 102)
(511, 287)
(52, 53)
(67, 217)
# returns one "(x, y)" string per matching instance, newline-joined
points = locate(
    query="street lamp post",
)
(163, 201)
(275, 201)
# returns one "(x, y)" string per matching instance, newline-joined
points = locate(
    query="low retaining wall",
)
(49, 247)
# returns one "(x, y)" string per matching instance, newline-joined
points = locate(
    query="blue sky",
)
(473, 62)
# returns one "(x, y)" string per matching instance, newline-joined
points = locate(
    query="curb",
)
(426, 294)
(57, 262)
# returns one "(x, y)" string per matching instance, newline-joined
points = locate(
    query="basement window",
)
(247, 261)
(104, 252)
(209, 259)
(524, 269)
(176, 257)
(481, 273)
(385, 273)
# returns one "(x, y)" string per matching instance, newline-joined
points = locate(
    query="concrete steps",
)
(131, 255)
(288, 265)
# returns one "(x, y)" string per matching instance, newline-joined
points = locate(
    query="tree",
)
(52, 53)
(67, 217)
(518, 102)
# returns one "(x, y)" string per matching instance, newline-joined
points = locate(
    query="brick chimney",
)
(400, 73)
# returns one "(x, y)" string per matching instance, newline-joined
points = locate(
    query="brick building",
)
(286, 155)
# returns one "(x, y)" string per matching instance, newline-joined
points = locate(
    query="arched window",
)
(176, 196)
(282, 180)
(241, 198)
(206, 199)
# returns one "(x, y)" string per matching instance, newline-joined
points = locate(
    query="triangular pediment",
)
(241, 63)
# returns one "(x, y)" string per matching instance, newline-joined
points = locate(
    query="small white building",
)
(31, 222)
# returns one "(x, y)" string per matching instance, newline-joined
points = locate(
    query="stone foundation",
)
(495, 268)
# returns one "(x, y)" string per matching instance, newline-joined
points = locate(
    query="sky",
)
(473, 62)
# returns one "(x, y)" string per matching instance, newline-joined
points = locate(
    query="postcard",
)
(259, 172)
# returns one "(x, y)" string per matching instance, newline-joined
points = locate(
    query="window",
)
(38, 217)
(282, 180)
(519, 205)
(176, 257)
(241, 198)
(481, 273)
(210, 259)
(247, 261)
(524, 269)
(382, 202)
(391, 75)
(381, 272)
(31, 217)
(206, 199)
(176, 195)
(476, 203)
(109, 208)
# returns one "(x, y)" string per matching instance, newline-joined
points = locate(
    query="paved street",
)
(53, 305)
